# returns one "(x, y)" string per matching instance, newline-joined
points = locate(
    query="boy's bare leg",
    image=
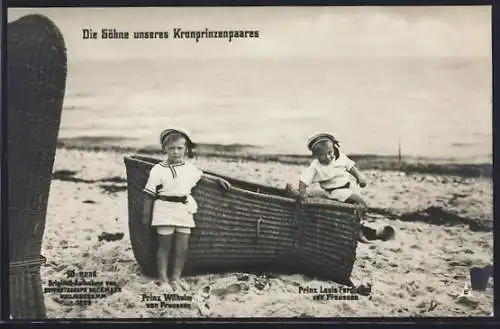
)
(164, 246)
(357, 200)
(180, 256)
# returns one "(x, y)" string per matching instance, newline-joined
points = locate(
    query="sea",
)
(430, 107)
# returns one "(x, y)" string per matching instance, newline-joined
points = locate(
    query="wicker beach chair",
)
(251, 228)
(36, 79)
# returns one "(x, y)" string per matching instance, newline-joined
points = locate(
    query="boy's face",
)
(176, 150)
(325, 153)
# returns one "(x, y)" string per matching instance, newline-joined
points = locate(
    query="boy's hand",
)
(224, 184)
(362, 182)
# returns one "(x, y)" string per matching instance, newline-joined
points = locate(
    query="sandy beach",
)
(391, 83)
(422, 272)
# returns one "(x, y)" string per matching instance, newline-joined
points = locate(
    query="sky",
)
(285, 32)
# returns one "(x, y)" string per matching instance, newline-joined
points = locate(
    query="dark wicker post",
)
(36, 80)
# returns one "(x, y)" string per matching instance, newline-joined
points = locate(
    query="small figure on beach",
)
(168, 204)
(333, 170)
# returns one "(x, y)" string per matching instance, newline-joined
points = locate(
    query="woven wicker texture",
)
(251, 228)
(24, 279)
(36, 76)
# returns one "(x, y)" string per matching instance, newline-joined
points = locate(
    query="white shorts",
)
(169, 229)
(173, 213)
(341, 194)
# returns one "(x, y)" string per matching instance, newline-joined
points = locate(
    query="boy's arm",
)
(357, 174)
(222, 182)
(147, 209)
(154, 181)
(306, 179)
(302, 190)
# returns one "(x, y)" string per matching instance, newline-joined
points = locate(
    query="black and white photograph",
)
(250, 162)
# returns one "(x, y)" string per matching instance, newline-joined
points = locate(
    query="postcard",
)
(257, 162)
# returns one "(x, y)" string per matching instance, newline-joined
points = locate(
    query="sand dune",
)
(420, 273)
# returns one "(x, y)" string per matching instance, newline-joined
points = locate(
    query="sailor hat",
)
(314, 139)
(182, 131)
